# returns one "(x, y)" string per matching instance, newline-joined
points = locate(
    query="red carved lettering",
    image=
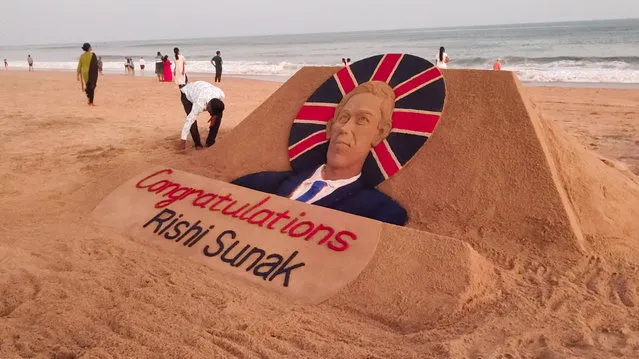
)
(139, 184)
(175, 195)
(304, 232)
(261, 221)
(206, 203)
(344, 244)
(321, 227)
(162, 185)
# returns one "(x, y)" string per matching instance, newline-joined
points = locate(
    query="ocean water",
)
(585, 52)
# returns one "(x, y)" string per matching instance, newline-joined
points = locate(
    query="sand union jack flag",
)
(419, 90)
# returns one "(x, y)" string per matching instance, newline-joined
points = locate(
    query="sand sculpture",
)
(371, 130)
(494, 186)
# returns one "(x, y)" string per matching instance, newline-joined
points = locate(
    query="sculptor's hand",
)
(182, 145)
(212, 121)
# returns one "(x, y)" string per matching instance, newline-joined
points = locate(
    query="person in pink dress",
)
(168, 74)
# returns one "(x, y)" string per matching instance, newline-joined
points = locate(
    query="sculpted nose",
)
(348, 126)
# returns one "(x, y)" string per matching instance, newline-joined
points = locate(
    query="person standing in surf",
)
(442, 58)
(497, 65)
(88, 71)
(217, 62)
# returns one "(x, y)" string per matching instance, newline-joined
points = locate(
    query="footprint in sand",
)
(99, 152)
(599, 279)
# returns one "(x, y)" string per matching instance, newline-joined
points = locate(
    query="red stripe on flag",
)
(316, 113)
(385, 69)
(345, 80)
(417, 82)
(386, 159)
(415, 121)
(307, 143)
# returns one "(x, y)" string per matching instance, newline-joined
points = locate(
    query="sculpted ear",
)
(383, 131)
(329, 124)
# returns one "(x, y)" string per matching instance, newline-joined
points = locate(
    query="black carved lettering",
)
(287, 270)
(198, 230)
(220, 244)
(192, 243)
(169, 225)
(177, 230)
(253, 251)
(237, 256)
(160, 219)
(265, 269)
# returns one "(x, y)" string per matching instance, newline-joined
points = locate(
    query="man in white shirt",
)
(197, 97)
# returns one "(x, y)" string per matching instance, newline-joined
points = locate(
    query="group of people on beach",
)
(165, 73)
(195, 97)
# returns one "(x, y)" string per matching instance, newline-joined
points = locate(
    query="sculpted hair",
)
(376, 88)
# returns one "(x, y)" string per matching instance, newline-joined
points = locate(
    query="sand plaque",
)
(304, 251)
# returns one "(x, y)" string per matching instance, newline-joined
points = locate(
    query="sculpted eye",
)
(362, 120)
(343, 117)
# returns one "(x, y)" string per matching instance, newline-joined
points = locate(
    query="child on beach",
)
(497, 65)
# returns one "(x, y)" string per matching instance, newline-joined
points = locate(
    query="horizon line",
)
(333, 32)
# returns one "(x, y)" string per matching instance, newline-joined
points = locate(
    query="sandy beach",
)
(70, 289)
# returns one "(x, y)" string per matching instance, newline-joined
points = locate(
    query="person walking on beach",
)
(88, 71)
(179, 72)
(6, 65)
(30, 61)
(100, 64)
(197, 97)
(442, 58)
(142, 63)
(497, 65)
(159, 67)
(217, 62)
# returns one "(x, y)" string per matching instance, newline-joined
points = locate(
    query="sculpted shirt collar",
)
(331, 187)
(317, 176)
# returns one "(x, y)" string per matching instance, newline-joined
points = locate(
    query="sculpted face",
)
(355, 130)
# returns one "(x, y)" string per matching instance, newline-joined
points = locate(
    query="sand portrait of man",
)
(357, 130)
(362, 120)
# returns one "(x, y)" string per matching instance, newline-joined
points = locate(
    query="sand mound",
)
(520, 244)
(494, 174)
(485, 175)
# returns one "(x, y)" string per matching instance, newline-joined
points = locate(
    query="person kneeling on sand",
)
(362, 120)
(196, 97)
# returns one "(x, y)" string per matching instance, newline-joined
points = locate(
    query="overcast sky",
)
(66, 21)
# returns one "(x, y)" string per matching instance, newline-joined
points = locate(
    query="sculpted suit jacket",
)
(355, 198)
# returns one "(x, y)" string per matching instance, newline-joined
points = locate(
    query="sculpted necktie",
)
(315, 188)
